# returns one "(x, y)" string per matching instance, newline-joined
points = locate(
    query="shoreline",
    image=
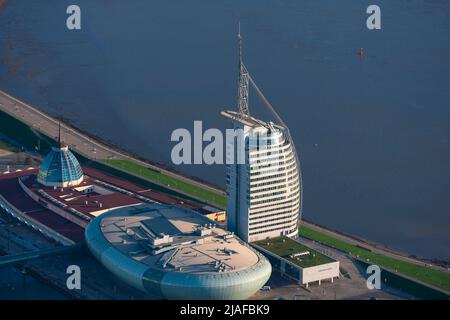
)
(369, 242)
(132, 156)
(44, 125)
(381, 249)
(441, 263)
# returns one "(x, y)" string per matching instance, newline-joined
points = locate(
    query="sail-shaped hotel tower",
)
(264, 191)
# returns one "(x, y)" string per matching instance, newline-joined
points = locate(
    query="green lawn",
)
(161, 178)
(440, 279)
(284, 247)
(7, 147)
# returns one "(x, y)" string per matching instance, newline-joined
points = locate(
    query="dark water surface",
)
(373, 136)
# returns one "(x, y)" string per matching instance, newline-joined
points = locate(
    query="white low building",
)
(304, 265)
(328, 271)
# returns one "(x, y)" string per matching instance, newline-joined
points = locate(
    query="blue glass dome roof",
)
(60, 168)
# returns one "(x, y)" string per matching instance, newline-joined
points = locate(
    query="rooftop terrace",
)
(294, 252)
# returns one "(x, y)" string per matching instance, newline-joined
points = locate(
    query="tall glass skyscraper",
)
(264, 188)
(264, 193)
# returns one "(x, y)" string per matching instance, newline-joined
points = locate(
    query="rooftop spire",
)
(60, 141)
(243, 81)
(240, 44)
(59, 133)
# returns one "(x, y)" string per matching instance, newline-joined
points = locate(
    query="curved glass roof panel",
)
(60, 168)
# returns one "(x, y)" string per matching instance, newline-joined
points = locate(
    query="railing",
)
(16, 213)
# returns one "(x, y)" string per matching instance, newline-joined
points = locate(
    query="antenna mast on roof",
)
(59, 133)
(243, 81)
(60, 141)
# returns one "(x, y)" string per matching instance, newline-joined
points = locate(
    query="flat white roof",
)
(131, 229)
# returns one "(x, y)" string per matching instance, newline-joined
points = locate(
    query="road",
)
(77, 141)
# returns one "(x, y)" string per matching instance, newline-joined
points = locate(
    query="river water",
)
(373, 135)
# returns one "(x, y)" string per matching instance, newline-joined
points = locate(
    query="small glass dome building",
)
(60, 168)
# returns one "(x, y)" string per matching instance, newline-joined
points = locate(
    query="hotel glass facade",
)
(264, 194)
